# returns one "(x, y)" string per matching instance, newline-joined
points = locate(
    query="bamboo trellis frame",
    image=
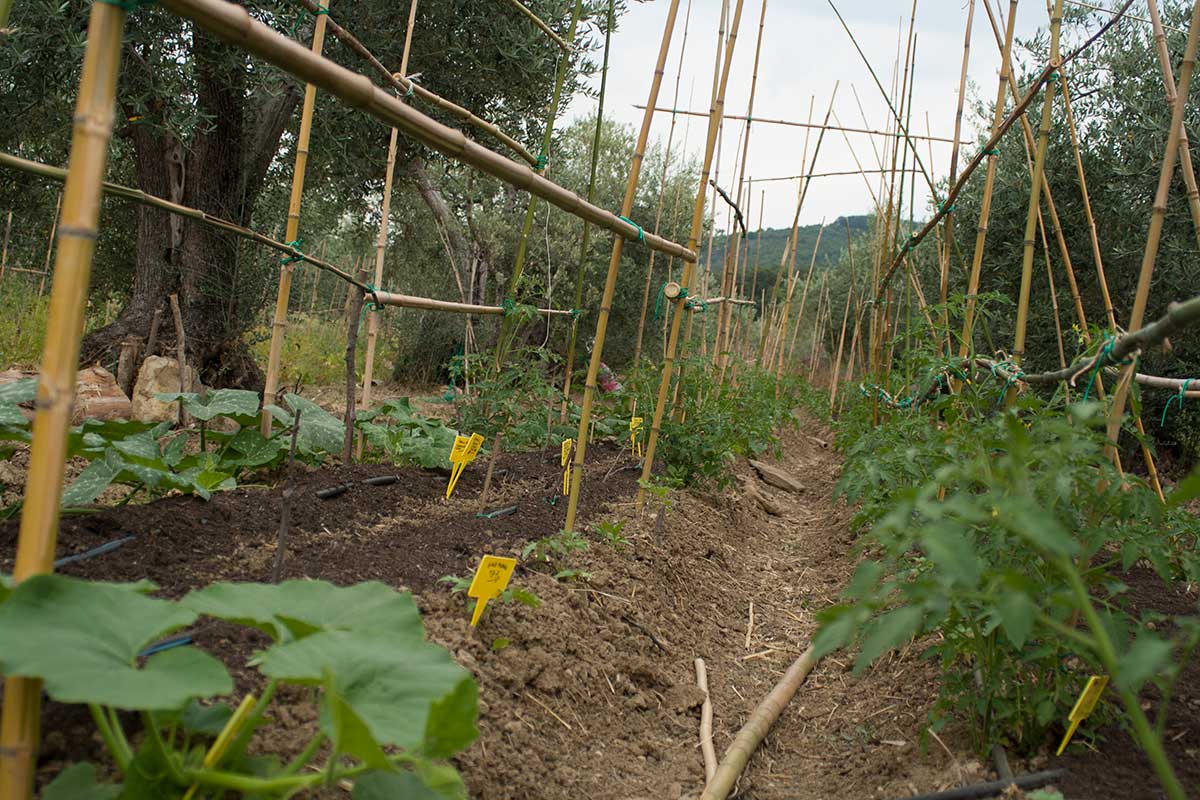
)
(791, 123)
(565, 44)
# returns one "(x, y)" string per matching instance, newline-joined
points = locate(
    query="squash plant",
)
(392, 706)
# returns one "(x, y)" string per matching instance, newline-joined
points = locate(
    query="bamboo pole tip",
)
(672, 290)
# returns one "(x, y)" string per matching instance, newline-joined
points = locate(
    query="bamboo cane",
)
(1185, 153)
(4, 251)
(837, 361)
(292, 234)
(1121, 13)
(797, 124)
(1093, 235)
(948, 228)
(90, 136)
(662, 186)
(50, 245)
(734, 762)
(724, 313)
(1035, 194)
(714, 124)
(565, 44)
(411, 88)
(232, 23)
(591, 196)
(812, 264)
(1141, 298)
(508, 325)
(429, 304)
(989, 184)
(5, 11)
(614, 264)
(381, 242)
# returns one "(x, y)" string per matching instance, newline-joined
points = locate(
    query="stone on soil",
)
(159, 374)
(774, 476)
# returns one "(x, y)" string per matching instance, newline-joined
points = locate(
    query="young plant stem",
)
(238, 747)
(1105, 650)
(304, 756)
(116, 743)
(154, 737)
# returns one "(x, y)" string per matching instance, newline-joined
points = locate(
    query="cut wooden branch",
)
(706, 723)
(538, 21)
(734, 762)
(429, 304)
(353, 323)
(285, 511)
(798, 124)
(180, 357)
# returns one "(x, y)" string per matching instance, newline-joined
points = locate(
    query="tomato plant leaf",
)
(1016, 612)
(1145, 658)
(886, 631)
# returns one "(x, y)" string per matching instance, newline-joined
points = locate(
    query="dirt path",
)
(593, 694)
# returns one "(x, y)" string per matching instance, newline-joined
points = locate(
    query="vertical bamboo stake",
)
(587, 228)
(662, 186)
(837, 361)
(91, 133)
(1141, 298)
(381, 243)
(4, 251)
(729, 280)
(1185, 155)
(185, 384)
(564, 64)
(716, 114)
(353, 323)
(944, 285)
(985, 207)
(292, 231)
(1035, 193)
(614, 264)
(50, 245)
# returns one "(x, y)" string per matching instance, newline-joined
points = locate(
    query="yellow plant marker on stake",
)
(635, 441)
(491, 579)
(1084, 706)
(464, 451)
(568, 448)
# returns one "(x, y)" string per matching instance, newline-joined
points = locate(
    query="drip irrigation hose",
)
(107, 547)
(499, 512)
(993, 788)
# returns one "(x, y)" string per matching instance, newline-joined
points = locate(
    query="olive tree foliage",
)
(201, 123)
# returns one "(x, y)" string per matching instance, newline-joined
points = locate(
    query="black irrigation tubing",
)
(499, 512)
(989, 147)
(107, 547)
(993, 788)
(337, 491)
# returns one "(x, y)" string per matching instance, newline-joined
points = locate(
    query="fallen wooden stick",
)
(755, 730)
(706, 722)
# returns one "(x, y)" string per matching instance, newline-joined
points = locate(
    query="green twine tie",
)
(507, 306)
(576, 313)
(641, 233)
(1176, 398)
(1102, 358)
(542, 161)
(992, 151)
(374, 305)
(696, 304)
(295, 244)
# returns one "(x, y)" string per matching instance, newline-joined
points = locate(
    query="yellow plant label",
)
(1084, 706)
(635, 441)
(473, 447)
(464, 451)
(459, 451)
(490, 581)
(565, 460)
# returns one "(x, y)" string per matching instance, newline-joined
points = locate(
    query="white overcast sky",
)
(804, 52)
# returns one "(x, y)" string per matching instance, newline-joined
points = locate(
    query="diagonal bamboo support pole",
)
(1035, 192)
(1185, 151)
(614, 264)
(37, 539)
(565, 44)
(948, 228)
(714, 125)
(292, 234)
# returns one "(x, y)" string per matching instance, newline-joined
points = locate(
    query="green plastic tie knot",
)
(641, 233)
(992, 151)
(542, 161)
(294, 244)
(576, 313)
(1179, 397)
(507, 306)
(1102, 359)
(374, 305)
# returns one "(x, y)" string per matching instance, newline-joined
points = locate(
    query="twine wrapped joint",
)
(1175, 398)
(295, 244)
(641, 237)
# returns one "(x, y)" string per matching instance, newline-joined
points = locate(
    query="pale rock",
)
(777, 477)
(159, 374)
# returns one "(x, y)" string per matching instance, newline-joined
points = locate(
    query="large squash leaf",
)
(396, 688)
(83, 639)
(298, 608)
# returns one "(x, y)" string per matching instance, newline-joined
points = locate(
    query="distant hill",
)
(833, 246)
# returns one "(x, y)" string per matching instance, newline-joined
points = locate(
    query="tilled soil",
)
(592, 694)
